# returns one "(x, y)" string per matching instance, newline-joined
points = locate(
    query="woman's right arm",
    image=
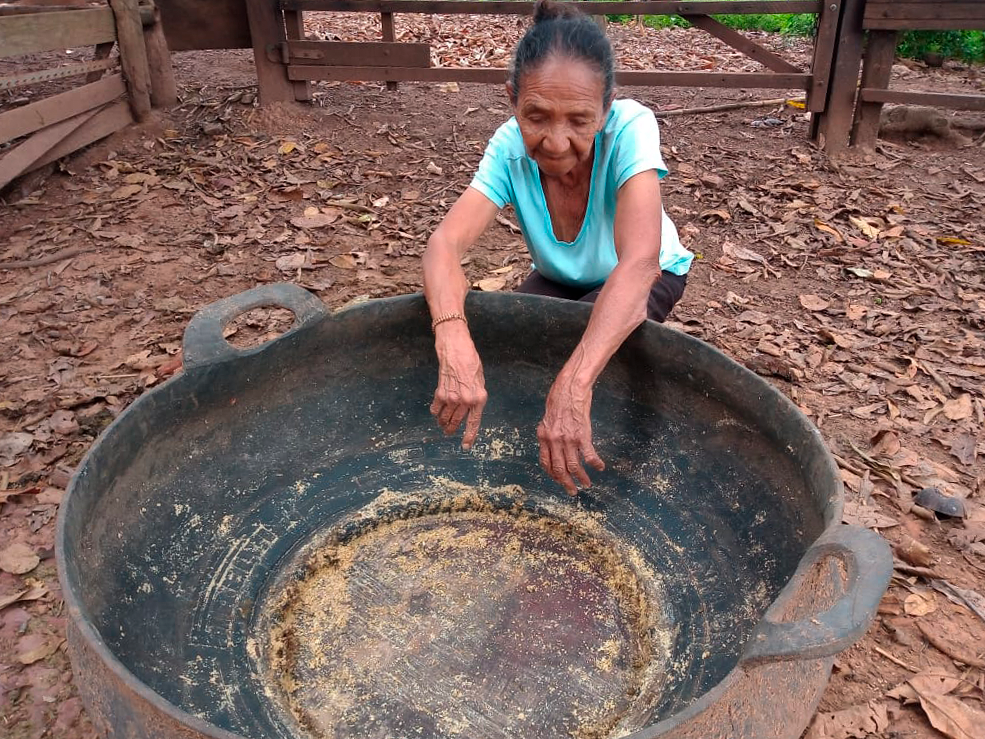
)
(461, 388)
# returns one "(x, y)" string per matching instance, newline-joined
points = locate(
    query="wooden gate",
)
(875, 24)
(286, 62)
(46, 130)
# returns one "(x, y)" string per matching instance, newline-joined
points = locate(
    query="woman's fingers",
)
(451, 409)
(573, 464)
(560, 468)
(455, 418)
(562, 459)
(591, 456)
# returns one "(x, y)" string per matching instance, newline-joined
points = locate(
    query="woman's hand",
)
(565, 434)
(461, 389)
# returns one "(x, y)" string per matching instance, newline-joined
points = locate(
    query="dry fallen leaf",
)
(291, 262)
(822, 226)
(315, 220)
(127, 191)
(886, 443)
(965, 448)
(740, 252)
(22, 596)
(919, 604)
(948, 714)
(34, 648)
(813, 302)
(287, 147)
(857, 722)
(343, 261)
(719, 213)
(865, 225)
(63, 422)
(491, 284)
(855, 312)
(859, 514)
(139, 360)
(18, 559)
(13, 445)
(960, 408)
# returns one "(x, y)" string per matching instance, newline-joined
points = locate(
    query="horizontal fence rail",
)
(497, 7)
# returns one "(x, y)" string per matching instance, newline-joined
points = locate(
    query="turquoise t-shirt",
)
(628, 144)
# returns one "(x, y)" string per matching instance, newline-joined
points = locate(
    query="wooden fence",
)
(882, 20)
(286, 63)
(43, 131)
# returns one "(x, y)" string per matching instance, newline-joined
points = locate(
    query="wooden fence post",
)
(267, 32)
(836, 121)
(389, 34)
(880, 51)
(294, 20)
(133, 55)
(163, 88)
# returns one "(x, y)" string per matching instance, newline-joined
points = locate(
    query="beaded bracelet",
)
(448, 317)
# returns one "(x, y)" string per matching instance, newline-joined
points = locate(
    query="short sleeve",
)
(637, 147)
(492, 178)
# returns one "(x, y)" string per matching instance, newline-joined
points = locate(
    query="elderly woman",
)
(582, 172)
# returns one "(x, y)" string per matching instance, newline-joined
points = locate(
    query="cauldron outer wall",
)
(750, 692)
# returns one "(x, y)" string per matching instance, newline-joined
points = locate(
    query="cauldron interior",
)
(192, 501)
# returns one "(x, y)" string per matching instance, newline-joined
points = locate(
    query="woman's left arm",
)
(565, 433)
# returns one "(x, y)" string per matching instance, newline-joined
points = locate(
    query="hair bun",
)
(548, 10)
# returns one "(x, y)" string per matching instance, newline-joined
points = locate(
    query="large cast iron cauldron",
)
(199, 503)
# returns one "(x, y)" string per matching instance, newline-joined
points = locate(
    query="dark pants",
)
(663, 295)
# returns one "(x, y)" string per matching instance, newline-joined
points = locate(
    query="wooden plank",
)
(880, 51)
(918, 2)
(498, 75)
(68, 29)
(924, 11)
(824, 51)
(133, 55)
(389, 35)
(146, 11)
(359, 53)
(101, 52)
(267, 30)
(9, 82)
(20, 159)
(163, 87)
(294, 25)
(835, 127)
(937, 99)
(742, 43)
(109, 120)
(24, 9)
(972, 24)
(499, 7)
(22, 121)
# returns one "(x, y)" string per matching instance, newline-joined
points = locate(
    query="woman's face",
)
(560, 110)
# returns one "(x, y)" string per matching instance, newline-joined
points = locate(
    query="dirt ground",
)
(856, 286)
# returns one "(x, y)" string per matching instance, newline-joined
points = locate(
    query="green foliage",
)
(968, 46)
(790, 24)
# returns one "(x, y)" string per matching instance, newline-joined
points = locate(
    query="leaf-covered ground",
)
(856, 286)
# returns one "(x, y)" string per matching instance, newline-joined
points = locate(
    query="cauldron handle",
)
(204, 343)
(868, 563)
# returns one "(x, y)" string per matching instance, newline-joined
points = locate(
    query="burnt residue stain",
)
(464, 613)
